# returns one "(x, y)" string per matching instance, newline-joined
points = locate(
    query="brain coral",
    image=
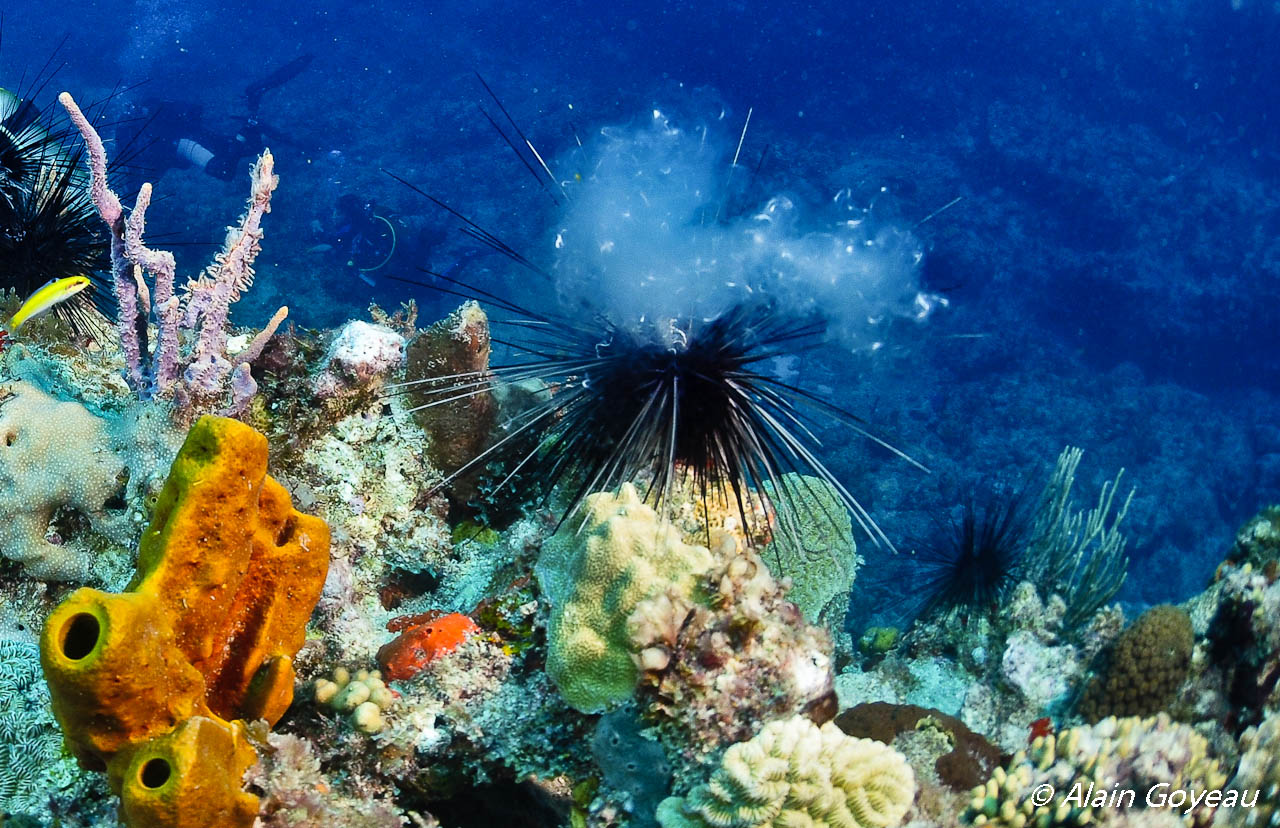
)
(1148, 664)
(594, 577)
(813, 545)
(794, 773)
(53, 454)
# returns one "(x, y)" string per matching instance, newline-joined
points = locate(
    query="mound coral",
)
(1114, 754)
(970, 760)
(423, 638)
(594, 578)
(149, 684)
(795, 773)
(1148, 663)
(53, 454)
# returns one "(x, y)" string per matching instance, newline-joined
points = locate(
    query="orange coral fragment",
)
(425, 638)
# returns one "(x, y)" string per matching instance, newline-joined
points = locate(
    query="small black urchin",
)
(977, 561)
(658, 402)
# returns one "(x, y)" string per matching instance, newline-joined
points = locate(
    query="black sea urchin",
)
(49, 228)
(975, 561)
(657, 373)
(655, 403)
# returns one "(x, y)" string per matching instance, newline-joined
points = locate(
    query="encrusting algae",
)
(154, 685)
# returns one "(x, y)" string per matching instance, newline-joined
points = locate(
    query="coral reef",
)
(54, 454)
(295, 793)
(359, 355)
(715, 673)
(453, 351)
(813, 545)
(1258, 541)
(1236, 663)
(1148, 663)
(148, 684)
(595, 577)
(795, 773)
(206, 376)
(1259, 771)
(1114, 754)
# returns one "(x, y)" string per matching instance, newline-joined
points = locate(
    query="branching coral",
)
(1114, 754)
(202, 376)
(794, 773)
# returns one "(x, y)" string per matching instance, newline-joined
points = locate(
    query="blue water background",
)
(1113, 267)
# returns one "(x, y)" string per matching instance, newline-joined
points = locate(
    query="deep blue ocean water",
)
(1112, 267)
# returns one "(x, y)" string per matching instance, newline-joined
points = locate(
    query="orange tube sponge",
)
(150, 684)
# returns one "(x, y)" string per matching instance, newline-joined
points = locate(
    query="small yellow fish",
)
(43, 300)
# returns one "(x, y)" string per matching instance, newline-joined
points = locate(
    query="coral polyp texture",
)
(1148, 664)
(54, 454)
(595, 576)
(151, 684)
(794, 773)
